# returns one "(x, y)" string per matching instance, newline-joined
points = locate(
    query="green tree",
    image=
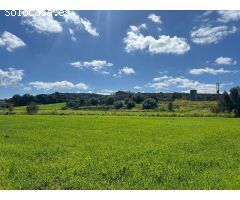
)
(10, 107)
(130, 104)
(176, 95)
(94, 101)
(82, 102)
(225, 102)
(109, 101)
(235, 98)
(73, 104)
(138, 98)
(118, 104)
(231, 102)
(170, 106)
(149, 103)
(32, 108)
(16, 100)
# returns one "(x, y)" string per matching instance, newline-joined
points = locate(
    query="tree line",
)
(23, 100)
(226, 102)
(230, 102)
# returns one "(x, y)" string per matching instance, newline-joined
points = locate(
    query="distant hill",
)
(57, 97)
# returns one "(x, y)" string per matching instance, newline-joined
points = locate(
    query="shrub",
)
(109, 101)
(138, 99)
(74, 104)
(162, 108)
(170, 106)
(54, 112)
(149, 103)
(10, 107)
(214, 109)
(126, 101)
(32, 108)
(130, 104)
(176, 95)
(82, 102)
(94, 102)
(64, 108)
(118, 104)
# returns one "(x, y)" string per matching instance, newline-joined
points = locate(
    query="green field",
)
(116, 152)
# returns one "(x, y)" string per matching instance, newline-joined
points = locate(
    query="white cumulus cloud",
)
(207, 70)
(72, 34)
(125, 70)
(96, 65)
(228, 15)
(225, 61)
(11, 41)
(135, 40)
(182, 83)
(74, 18)
(49, 24)
(160, 78)
(137, 87)
(155, 18)
(211, 34)
(10, 77)
(106, 92)
(43, 24)
(58, 85)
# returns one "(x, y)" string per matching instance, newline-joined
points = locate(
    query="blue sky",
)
(106, 51)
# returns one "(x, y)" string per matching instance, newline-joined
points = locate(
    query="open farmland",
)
(114, 152)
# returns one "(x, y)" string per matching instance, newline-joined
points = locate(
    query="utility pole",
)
(218, 91)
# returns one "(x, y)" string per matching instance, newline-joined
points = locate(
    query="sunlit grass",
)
(109, 152)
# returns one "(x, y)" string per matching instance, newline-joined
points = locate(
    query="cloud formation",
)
(137, 87)
(75, 19)
(125, 70)
(10, 77)
(160, 78)
(42, 24)
(136, 41)
(49, 24)
(211, 34)
(155, 18)
(212, 71)
(11, 41)
(58, 85)
(225, 61)
(96, 65)
(106, 92)
(228, 15)
(182, 83)
(72, 34)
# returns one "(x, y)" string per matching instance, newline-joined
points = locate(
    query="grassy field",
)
(114, 152)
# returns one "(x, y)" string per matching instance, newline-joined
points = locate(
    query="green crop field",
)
(116, 152)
